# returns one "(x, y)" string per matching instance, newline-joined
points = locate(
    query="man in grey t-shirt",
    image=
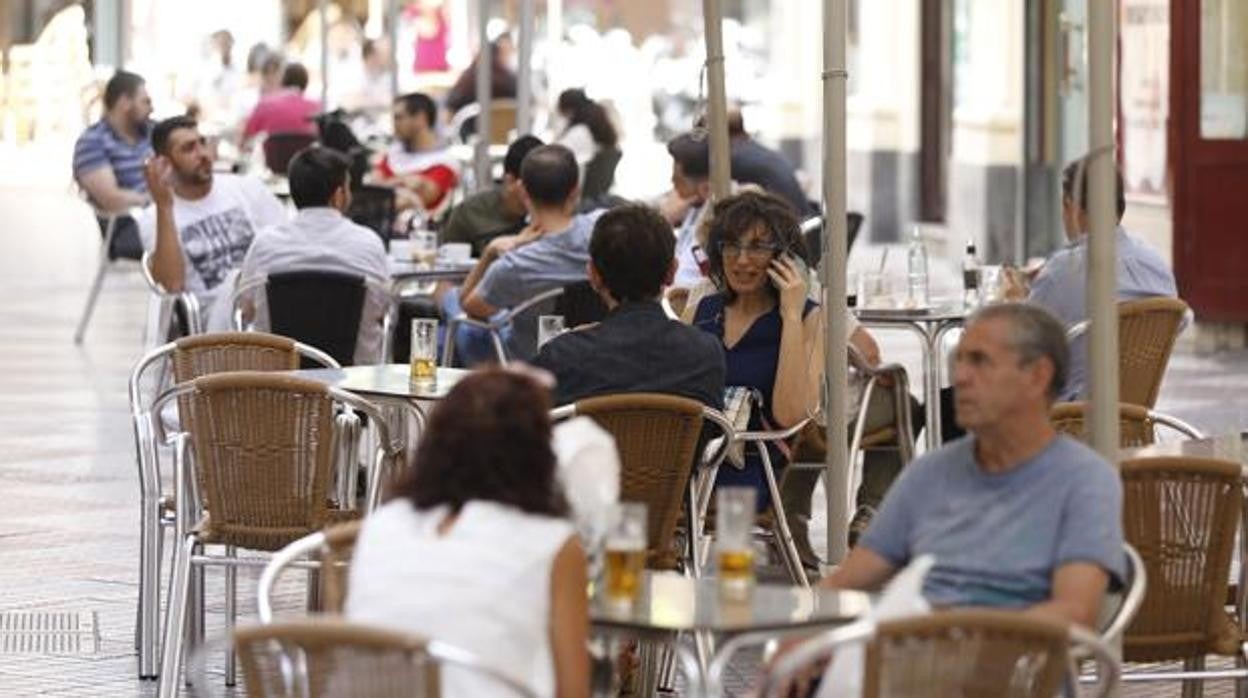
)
(1015, 515)
(552, 252)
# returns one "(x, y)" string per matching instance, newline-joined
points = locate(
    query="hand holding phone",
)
(790, 283)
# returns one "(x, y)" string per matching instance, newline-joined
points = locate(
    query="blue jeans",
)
(473, 345)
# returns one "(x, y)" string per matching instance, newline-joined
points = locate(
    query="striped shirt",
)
(101, 146)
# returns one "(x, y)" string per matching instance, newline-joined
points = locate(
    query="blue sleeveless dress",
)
(751, 363)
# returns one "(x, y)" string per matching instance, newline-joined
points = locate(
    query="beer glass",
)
(424, 247)
(734, 521)
(424, 352)
(626, 553)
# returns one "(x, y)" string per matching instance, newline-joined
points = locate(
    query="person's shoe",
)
(858, 525)
(799, 526)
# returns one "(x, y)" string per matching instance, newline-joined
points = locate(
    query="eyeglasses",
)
(759, 252)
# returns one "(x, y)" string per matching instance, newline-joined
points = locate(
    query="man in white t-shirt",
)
(202, 224)
(320, 238)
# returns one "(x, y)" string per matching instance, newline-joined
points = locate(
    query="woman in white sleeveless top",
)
(474, 547)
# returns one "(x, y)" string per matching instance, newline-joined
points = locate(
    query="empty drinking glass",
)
(549, 327)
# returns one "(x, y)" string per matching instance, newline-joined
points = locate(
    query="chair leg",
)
(92, 296)
(147, 620)
(693, 525)
(196, 626)
(176, 616)
(1194, 688)
(231, 614)
(788, 549)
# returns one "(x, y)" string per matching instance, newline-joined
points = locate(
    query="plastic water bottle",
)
(916, 263)
(970, 277)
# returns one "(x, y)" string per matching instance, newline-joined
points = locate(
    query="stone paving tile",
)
(69, 520)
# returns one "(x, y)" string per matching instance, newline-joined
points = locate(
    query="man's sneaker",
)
(858, 526)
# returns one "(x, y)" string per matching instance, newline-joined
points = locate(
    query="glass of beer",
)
(626, 554)
(425, 352)
(734, 554)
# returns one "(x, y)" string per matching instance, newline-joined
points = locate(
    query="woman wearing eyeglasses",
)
(773, 343)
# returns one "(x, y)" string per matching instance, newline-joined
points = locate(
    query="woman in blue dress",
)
(772, 335)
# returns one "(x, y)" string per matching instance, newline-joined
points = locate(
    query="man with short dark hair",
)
(321, 238)
(496, 211)
(202, 223)
(1015, 515)
(551, 252)
(418, 165)
(636, 348)
(286, 110)
(109, 157)
(691, 182)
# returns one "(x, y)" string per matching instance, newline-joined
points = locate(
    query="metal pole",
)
(524, 75)
(554, 22)
(1102, 266)
(832, 275)
(717, 111)
(484, 95)
(392, 32)
(322, 8)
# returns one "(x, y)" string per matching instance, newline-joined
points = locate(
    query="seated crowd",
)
(700, 296)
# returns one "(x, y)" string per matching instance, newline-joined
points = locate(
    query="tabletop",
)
(672, 602)
(440, 271)
(385, 380)
(936, 313)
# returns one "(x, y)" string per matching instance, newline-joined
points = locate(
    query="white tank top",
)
(483, 586)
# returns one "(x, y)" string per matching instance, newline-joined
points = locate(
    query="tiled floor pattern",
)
(68, 519)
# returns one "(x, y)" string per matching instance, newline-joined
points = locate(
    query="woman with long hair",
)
(587, 127)
(474, 546)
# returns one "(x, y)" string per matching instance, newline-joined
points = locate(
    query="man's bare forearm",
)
(168, 266)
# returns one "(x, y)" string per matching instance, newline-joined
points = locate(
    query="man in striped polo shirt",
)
(109, 157)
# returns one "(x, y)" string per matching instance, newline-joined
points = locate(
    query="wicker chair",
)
(263, 476)
(1181, 514)
(979, 653)
(331, 551)
(1137, 425)
(1147, 329)
(657, 438)
(330, 658)
(190, 358)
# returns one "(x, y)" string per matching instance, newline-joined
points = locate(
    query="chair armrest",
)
(773, 435)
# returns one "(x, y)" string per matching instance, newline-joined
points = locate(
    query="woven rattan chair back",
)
(1180, 514)
(1147, 329)
(263, 457)
(327, 658)
(219, 352)
(336, 557)
(974, 654)
(1135, 426)
(657, 438)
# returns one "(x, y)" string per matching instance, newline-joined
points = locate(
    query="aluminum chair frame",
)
(292, 556)
(188, 555)
(796, 662)
(102, 268)
(167, 300)
(440, 652)
(156, 512)
(381, 289)
(494, 327)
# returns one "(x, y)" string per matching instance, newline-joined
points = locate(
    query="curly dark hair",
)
(488, 439)
(735, 216)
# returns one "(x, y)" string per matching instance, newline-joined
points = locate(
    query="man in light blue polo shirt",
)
(551, 252)
(1016, 516)
(109, 157)
(1061, 285)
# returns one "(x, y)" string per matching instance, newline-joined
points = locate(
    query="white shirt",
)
(216, 232)
(322, 239)
(580, 140)
(483, 586)
(688, 271)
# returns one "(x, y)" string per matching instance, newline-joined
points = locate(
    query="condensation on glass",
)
(1224, 69)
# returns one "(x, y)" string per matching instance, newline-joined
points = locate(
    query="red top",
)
(284, 111)
(436, 165)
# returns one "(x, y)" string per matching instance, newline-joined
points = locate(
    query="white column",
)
(717, 100)
(484, 95)
(392, 32)
(322, 9)
(835, 258)
(1102, 268)
(524, 74)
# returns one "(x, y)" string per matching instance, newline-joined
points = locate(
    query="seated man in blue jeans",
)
(1015, 515)
(551, 252)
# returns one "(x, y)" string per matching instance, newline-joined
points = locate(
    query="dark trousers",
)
(126, 243)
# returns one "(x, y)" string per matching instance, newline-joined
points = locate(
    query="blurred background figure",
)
(502, 77)
(284, 111)
(371, 88)
(432, 35)
(587, 129)
(218, 87)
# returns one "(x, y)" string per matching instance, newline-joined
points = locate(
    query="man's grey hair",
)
(1034, 333)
